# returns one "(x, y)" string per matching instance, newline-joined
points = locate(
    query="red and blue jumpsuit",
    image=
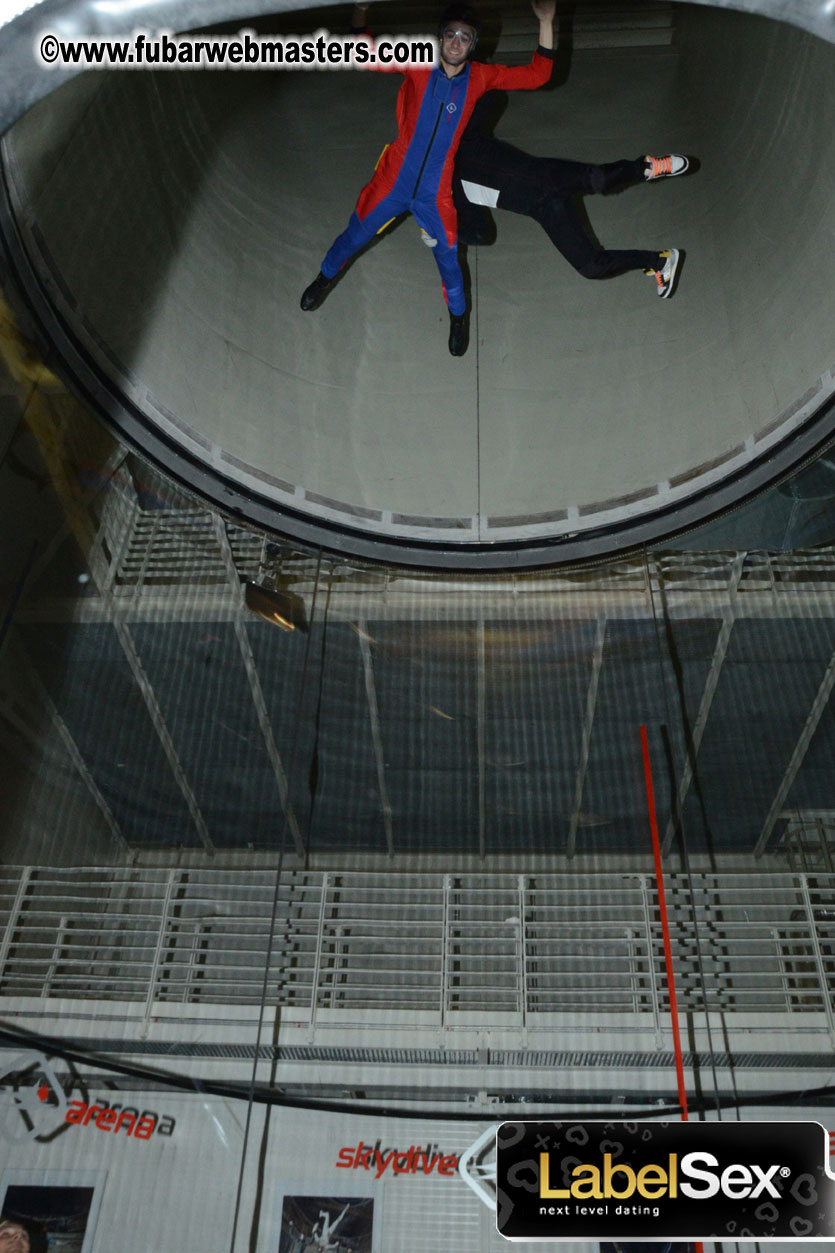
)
(414, 174)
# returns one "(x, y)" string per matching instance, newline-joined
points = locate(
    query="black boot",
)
(316, 293)
(459, 334)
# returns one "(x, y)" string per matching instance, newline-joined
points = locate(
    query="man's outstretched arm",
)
(544, 10)
(526, 77)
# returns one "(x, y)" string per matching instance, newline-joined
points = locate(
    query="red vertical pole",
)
(665, 926)
(665, 932)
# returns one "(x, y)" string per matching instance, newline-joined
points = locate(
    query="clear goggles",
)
(463, 33)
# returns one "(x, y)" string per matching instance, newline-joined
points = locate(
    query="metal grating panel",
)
(518, 1059)
(450, 947)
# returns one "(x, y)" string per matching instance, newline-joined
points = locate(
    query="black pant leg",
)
(560, 220)
(582, 178)
(542, 188)
(614, 174)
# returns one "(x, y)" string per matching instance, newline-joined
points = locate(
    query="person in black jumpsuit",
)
(491, 173)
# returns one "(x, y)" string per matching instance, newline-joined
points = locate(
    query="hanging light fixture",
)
(270, 595)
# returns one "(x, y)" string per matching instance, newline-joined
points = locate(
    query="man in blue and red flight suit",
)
(414, 174)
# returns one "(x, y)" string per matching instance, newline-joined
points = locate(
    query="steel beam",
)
(374, 718)
(14, 915)
(585, 746)
(74, 753)
(261, 711)
(481, 700)
(711, 684)
(694, 593)
(161, 727)
(810, 727)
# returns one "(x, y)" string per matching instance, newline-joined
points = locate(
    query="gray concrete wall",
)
(184, 215)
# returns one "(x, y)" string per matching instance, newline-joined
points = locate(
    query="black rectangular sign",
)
(629, 1181)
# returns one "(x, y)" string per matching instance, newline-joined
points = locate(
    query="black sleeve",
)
(496, 164)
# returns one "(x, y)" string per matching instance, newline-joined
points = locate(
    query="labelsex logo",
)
(652, 1180)
(632, 1181)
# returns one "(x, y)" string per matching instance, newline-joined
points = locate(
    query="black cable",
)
(313, 771)
(262, 1094)
(684, 851)
(271, 936)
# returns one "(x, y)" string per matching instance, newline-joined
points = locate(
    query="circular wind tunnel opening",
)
(163, 226)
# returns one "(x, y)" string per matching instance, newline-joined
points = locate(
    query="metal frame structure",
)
(181, 563)
(447, 952)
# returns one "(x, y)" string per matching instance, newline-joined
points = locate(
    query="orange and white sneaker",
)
(665, 167)
(665, 278)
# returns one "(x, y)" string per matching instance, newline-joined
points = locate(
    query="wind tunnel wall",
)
(166, 225)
